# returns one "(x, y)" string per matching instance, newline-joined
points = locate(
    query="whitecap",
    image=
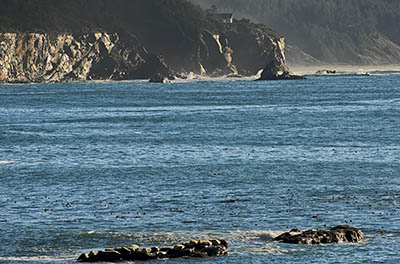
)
(34, 259)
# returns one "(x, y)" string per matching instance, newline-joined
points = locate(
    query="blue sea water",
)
(93, 165)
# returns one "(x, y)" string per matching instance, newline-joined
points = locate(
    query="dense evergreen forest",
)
(334, 31)
(152, 21)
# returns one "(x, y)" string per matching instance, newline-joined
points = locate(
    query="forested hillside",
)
(333, 31)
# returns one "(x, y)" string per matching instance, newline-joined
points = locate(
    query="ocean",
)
(94, 165)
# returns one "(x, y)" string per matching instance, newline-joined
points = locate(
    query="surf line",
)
(6, 161)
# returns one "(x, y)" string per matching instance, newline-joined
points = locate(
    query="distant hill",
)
(332, 31)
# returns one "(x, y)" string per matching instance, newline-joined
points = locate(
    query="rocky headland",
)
(182, 39)
(356, 32)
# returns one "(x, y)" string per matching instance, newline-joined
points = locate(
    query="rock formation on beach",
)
(191, 249)
(337, 234)
(117, 40)
(276, 70)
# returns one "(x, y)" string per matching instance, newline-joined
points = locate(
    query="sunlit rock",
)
(338, 234)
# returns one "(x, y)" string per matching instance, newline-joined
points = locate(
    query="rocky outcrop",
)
(338, 234)
(273, 72)
(215, 55)
(191, 249)
(256, 47)
(276, 70)
(35, 57)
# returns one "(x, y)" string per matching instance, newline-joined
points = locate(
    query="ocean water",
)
(94, 165)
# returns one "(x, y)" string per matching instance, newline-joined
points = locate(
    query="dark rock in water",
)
(191, 249)
(276, 68)
(159, 78)
(272, 73)
(109, 255)
(143, 254)
(272, 76)
(83, 258)
(325, 72)
(338, 234)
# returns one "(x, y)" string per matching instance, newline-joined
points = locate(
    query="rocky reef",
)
(191, 249)
(337, 234)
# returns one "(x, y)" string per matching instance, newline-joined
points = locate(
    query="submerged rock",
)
(191, 249)
(337, 234)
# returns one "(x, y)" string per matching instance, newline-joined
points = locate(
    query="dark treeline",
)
(152, 21)
(330, 30)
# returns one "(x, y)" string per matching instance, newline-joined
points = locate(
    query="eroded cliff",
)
(35, 57)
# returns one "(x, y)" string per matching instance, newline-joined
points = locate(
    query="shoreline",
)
(304, 70)
(300, 70)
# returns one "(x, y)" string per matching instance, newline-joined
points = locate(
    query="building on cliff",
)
(226, 17)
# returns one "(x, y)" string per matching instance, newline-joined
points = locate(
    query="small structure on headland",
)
(226, 17)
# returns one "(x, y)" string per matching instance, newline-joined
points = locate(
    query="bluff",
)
(51, 41)
(35, 57)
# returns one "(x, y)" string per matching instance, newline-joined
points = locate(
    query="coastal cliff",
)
(182, 39)
(35, 57)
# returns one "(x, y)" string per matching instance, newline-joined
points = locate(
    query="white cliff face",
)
(216, 37)
(215, 55)
(281, 45)
(34, 57)
(279, 53)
